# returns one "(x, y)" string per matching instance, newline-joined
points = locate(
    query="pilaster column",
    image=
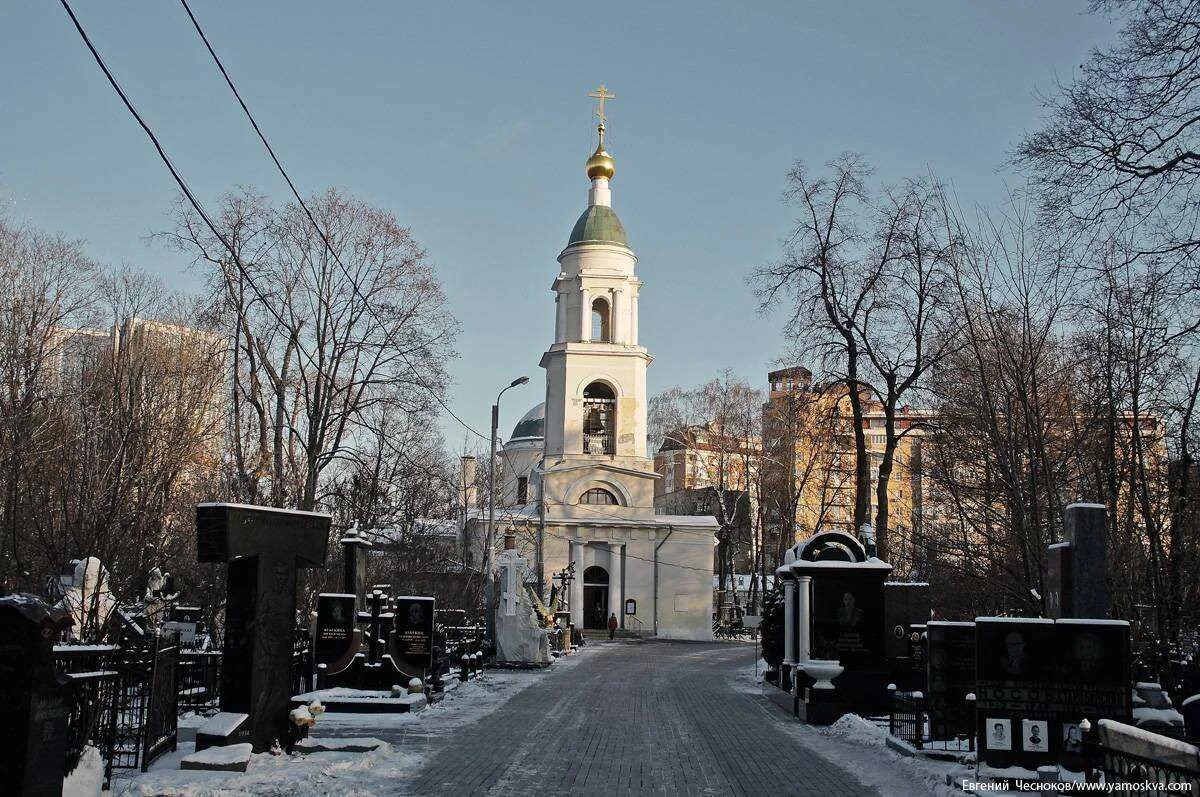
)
(585, 314)
(789, 622)
(575, 590)
(633, 320)
(616, 582)
(618, 316)
(804, 616)
(559, 311)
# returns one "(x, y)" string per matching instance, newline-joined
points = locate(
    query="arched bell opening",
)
(599, 419)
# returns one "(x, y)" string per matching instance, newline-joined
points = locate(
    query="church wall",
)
(684, 575)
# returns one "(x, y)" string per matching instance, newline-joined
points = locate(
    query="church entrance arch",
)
(595, 597)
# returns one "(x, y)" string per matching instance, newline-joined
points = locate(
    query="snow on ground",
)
(860, 746)
(409, 739)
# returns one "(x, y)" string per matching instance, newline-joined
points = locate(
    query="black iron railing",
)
(198, 681)
(136, 703)
(907, 718)
(92, 719)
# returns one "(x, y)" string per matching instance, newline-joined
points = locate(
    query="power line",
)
(199, 208)
(304, 206)
(183, 186)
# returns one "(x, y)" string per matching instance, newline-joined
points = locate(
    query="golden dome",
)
(600, 164)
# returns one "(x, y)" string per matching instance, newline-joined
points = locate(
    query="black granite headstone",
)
(1058, 580)
(848, 617)
(354, 565)
(950, 678)
(264, 547)
(1038, 678)
(412, 649)
(905, 603)
(1085, 527)
(35, 698)
(336, 639)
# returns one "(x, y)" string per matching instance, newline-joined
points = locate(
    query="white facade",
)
(591, 497)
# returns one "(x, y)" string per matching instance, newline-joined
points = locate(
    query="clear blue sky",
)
(469, 122)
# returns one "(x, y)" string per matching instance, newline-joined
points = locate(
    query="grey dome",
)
(532, 425)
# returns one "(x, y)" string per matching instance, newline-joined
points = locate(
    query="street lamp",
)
(489, 598)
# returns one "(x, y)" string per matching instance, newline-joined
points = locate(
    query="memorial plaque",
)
(413, 648)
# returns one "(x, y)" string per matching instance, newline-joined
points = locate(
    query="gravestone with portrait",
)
(263, 548)
(35, 697)
(411, 644)
(338, 638)
(950, 677)
(845, 616)
(1038, 679)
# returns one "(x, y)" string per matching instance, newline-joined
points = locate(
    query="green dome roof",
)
(598, 225)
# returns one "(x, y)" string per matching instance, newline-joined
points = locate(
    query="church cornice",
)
(596, 349)
(567, 467)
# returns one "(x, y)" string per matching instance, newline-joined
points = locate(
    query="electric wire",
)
(304, 206)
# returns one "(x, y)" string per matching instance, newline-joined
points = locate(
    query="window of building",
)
(669, 480)
(599, 419)
(598, 496)
(601, 326)
(522, 490)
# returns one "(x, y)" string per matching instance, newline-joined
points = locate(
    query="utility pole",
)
(489, 587)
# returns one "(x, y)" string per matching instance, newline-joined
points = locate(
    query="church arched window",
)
(601, 321)
(599, 419)
(598, 496)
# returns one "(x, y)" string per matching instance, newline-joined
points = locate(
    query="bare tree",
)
(1119, 152)
(868, 283)
(320, 340)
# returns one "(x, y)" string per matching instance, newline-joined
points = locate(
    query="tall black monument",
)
(34, 696)
(264, 547)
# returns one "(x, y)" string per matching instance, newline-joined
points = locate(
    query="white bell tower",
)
(595, 369)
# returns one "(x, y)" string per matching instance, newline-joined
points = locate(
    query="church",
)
(577, 482)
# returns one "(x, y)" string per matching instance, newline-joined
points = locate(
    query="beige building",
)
(588, 484)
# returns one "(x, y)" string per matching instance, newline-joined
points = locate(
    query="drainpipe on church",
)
(670, 531)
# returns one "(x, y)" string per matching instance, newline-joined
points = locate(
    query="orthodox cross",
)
(601, 94)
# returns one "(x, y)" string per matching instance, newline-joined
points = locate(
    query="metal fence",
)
(907, 718)
(914, 720)
(198, 679)
(124, 700)
(91, 721)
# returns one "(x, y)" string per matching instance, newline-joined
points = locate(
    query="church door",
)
(595, 597)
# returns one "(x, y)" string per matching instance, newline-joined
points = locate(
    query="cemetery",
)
(1003, 700)
(102, 687)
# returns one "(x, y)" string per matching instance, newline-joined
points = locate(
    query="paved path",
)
(655, 717)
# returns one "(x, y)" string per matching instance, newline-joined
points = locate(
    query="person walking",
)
(612, 626)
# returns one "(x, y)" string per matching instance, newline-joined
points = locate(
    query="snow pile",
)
(87, 779)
